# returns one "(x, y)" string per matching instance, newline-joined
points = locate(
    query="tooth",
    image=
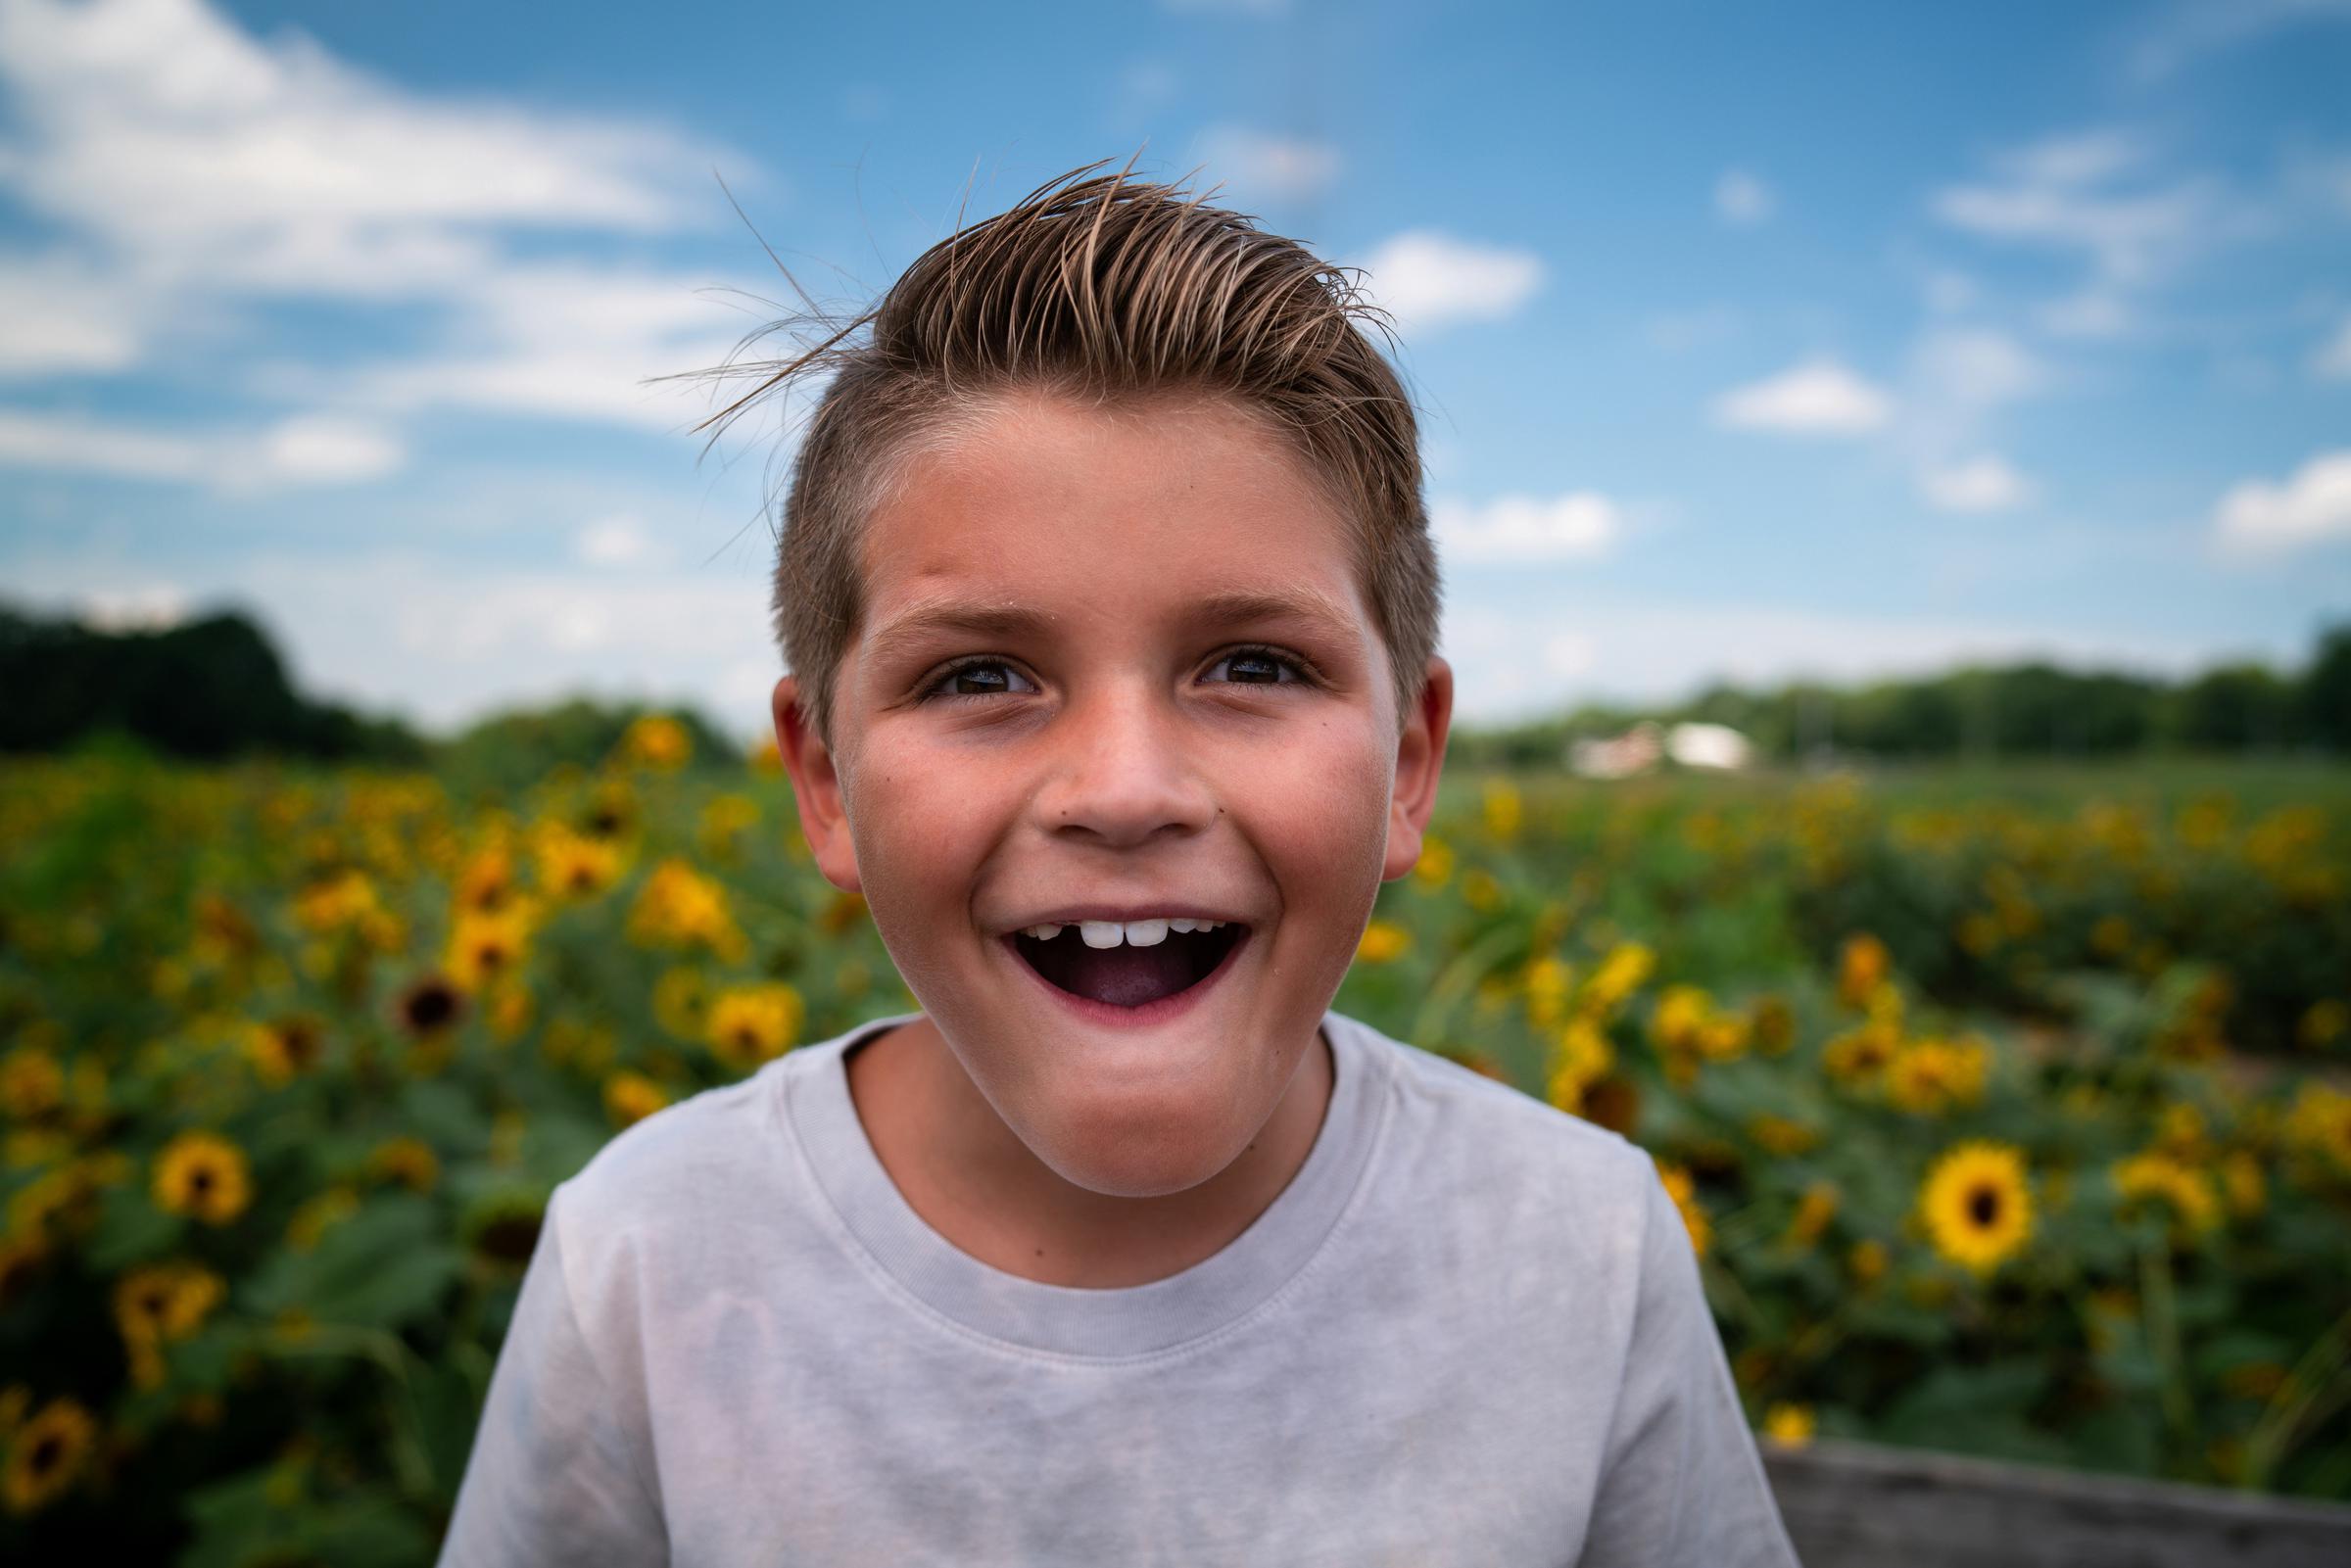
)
(1146, 933)
(1182, 924)
(1101, 932)
(1044, 933)
(1212, 924)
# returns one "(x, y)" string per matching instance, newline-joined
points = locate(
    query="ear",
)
(815, 790)
(1419, 759)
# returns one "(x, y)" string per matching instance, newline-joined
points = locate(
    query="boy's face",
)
(1116, 665)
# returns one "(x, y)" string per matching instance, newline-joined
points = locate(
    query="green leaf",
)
(130, 1230)
(385, 1266)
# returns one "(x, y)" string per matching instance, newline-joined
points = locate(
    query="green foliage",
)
(1799, 995)
(2031, 710)
(208, 688)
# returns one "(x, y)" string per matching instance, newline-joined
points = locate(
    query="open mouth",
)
(1128, 973)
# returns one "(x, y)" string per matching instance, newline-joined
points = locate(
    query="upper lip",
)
(1170, 909)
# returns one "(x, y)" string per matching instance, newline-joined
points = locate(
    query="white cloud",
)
(2193, 28)
(1512, 660)
(1980, 484)
(1817, 398)
(446, 640)
(2061, 194)
(2333, 357)
(1957, 375)
(2092, 312)
(204, 155)
(307, 450)
(1287, 167)
(1740, 198)
(1426, 279)
(1678, 331)
(320, 450)
(136, 607)
(563, 342)
(2259, 518)
(193, 166)
(1950, 292)
(71, 444)
(58, 314)
(620, 540)
(1526, 529)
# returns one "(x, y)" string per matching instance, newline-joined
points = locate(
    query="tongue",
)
(1126, 976)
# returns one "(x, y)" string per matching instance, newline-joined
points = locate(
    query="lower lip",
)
(1163, 1011)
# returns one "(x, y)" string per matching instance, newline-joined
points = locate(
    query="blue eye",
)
(980, 678)
(1259, 667)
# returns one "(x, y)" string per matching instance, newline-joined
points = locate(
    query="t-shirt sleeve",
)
(1682, 1485)
(561, 1463)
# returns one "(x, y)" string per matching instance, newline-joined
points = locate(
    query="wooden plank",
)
(1849, 1504)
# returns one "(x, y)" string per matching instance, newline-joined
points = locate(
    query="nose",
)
(1122, 772)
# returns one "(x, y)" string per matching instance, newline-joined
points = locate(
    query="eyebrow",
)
(1016, 620)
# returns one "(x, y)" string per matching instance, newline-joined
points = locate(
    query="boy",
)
(1111, 608)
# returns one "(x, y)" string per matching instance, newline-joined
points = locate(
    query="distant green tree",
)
(2323, 698)
(506, 751)
(2237, 707)
(205, 690)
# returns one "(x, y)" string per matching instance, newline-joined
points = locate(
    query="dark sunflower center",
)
(1983, 1206)
(1126, 975)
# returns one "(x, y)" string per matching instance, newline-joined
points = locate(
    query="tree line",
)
(216, 687)
(2033, 709)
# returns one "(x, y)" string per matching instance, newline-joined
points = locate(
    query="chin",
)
(1121, 1157)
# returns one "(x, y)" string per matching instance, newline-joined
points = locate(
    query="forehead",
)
(1034, 496)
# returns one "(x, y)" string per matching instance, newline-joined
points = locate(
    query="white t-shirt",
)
(1469, 1330)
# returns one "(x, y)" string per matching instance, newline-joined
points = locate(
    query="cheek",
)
(1324, 815)
(919, 831)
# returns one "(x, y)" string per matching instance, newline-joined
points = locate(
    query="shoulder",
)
(1491, 1116)
(687, 1171)
(1481, 1137)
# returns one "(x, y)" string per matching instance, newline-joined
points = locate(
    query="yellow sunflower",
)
(485, 946)
(285, 1047)
(573, 865)
(1383, 942)
(1680, 1186)
(1862, 964)
(31, 1084)
(47, 1456)
(204, 1176)
(2185, 1190)
(1976, 1205)
(631, 1097)
(408, 1162)
(754, 1023)
(161, 1301)
(1789, 1425)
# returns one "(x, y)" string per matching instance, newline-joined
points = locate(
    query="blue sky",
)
(1752, 342)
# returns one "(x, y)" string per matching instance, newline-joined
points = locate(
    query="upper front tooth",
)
(1146, 933)
(1101, 932)
(1044, 933)
(1179, 923)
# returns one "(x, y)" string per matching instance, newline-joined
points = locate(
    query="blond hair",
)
(1104, 289)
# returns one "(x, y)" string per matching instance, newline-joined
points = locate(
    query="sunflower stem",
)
(384, 1350)
(2160, 1312)
(2308, 1395)
(1455, 982)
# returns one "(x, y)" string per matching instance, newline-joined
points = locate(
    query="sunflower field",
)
(2006, 1116)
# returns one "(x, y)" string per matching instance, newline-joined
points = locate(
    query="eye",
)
(1259, 667)
(980, 678)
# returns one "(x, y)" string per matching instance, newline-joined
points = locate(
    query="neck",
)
(971, 1179)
